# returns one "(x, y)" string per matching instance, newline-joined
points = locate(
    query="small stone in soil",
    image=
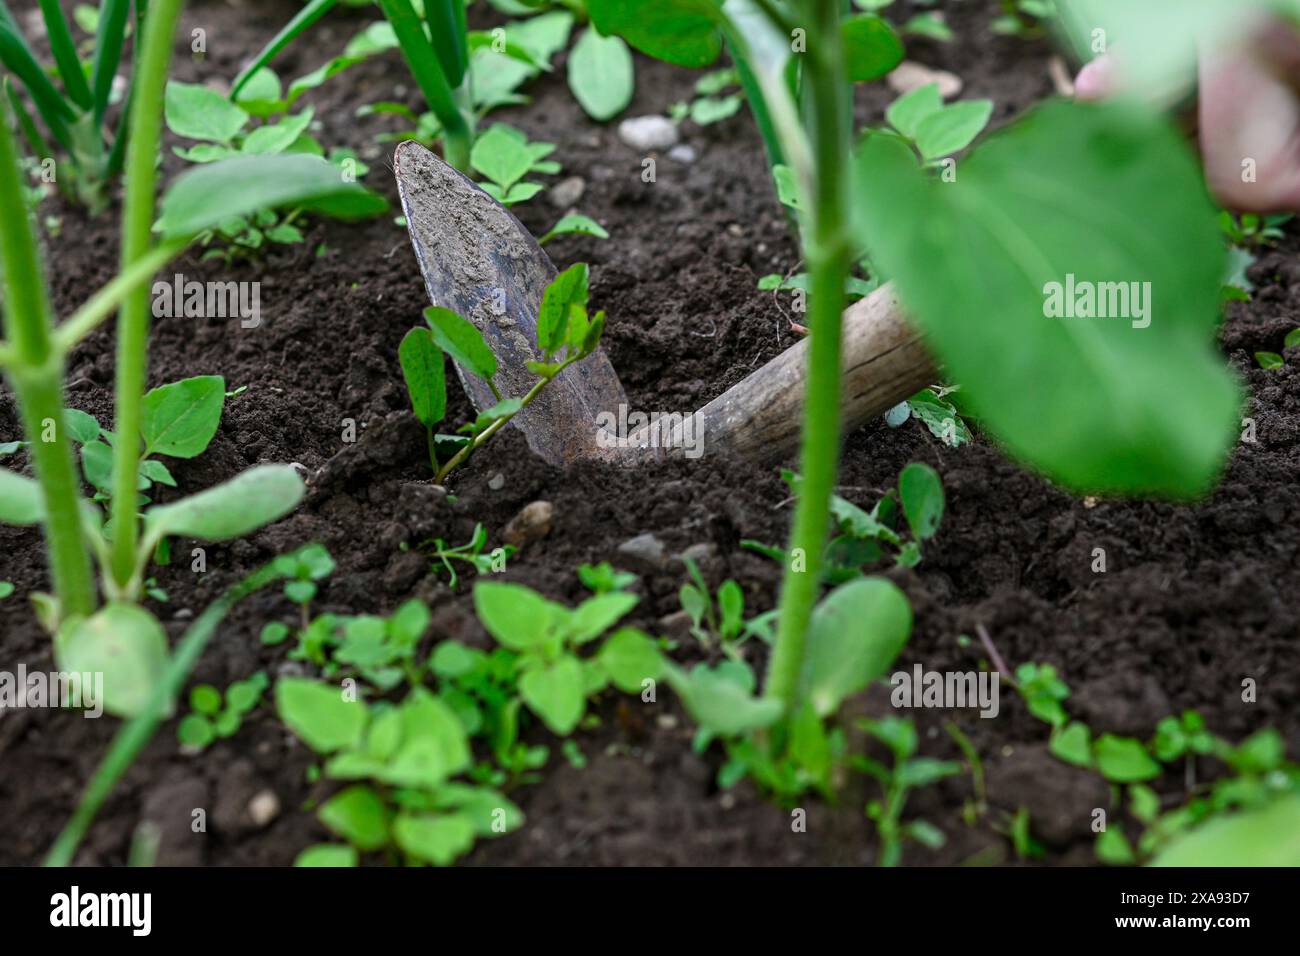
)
(644, 551)
(683, 153)
(648, 133)
(497, 481)
(532, 523)
(909, 76)
(263, 808)
(567, 192)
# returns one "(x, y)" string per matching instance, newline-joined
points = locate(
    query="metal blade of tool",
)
(479, 261)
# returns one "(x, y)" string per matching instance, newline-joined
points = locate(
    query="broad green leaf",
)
(567, 292)
(1073, 744)
(327, 854)
(501, 157)
(720, 704)
(82, 427)
(124, 643)
(1266, 836)
(423, 368)
(205, 197)
(601, 74)
(629, 657)
(21, 501)
(952, 128)
(277, 137)
(434, 746)
(857, 632)
(195, 730)
(555, 693)
(232, 509)
(434, 839)
(196, 112)
(594, 616)
(180, 419)
(491, 813)
(518, 617)
(319, 713)
(871, 47)
(921, 494)
(1104, 195)
(907, 112)
(97, 464)
(359, 816)
(461, 339)
(205, 699)
(684, 32)
(1123, 759)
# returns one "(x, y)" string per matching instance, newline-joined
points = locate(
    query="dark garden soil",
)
(1194, 598)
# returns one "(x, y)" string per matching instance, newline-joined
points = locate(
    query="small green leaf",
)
(82, 427)
(327, 854)
(319, 713)
(871, 47)
(123, 642)
(359, 816)
(1269, 360)
(1113, 849)
(601, 74)
(1073, 744)
(1292, 339)
(683, 32)
(205, 699)
(907, 112)
(629, 657)
(21, 501)
(518, 617)
(195, 730)
(574, 224)
(434, 839)
(6, 589)
(97, 464)
(424, 370)
(594, 616)
(857, 632)
(1265, 836)
(921, 494)
(501, 156)
(952, 128)
(566, 292)
(1124, 760)
(180, 419)
(555, 693)
(196, 112)
(248, 501)
(462, 340)
(720, 703)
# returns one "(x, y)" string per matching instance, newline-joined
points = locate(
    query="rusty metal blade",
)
(479, 261)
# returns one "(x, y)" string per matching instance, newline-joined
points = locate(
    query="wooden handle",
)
(883, 362)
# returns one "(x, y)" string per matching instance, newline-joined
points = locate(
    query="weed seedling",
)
(470, 553)
(908, 772)
(503, 156)
(603, 578)
(211, 719)
(721, 623)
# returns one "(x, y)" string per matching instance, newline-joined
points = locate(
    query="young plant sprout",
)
(565, 335)
(120, 637)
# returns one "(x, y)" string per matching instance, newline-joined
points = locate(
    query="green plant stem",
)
(136, 732)
(101, 305)
(484, 436)
(133, 317)
(827, 251)
(307, 16)
(35, 370)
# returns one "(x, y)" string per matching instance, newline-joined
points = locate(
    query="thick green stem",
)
(133, 317)
(827, 253)
(36, 374)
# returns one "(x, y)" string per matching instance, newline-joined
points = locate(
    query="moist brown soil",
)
(1195, 598)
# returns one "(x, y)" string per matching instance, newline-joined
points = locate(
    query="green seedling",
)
(471, 553)
(6, 589)
(718, 97)
(603, 578)
(866, 537)
(1024, 18)
(463, 74)
(908, 772)
(573, 224)
(931, 407)
(721, 623)
(565, 335)
(75, 116)
(212, 719)
(503, 156)
(401, 763)
(121, 638)
(935, 130)
(1250, 230)
(221, 129)
(554, 680)
(856, 633)
(1269, 360)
